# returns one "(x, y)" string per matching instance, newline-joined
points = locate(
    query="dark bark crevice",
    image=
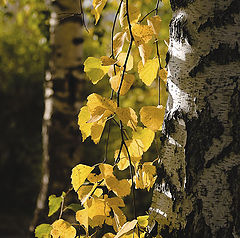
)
(234, 184)
(179, 30)
(201, 132)
(221, 18)
(175, 4)
(222, 55)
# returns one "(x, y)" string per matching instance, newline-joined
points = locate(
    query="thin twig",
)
(113, 28)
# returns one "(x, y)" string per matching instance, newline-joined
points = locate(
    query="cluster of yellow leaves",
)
(99, 207)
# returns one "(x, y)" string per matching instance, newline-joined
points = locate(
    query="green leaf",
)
(54, 204)
(43, 231)
(74, 206)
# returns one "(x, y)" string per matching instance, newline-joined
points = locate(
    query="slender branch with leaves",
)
(99, 190)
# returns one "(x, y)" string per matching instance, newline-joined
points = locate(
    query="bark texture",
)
(197, 193)
(64, 89)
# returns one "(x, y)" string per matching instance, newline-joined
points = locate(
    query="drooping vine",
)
(101, 194)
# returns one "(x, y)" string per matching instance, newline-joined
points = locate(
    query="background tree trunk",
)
(197, 193)
(64, 92)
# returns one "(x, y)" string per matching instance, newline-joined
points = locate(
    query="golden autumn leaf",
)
(91, 125)
(143, 220)
(106, 170)
(163, 75)
(94, 69)
(98, 6)
(107, 61)
(115, 201)
(152, 117)
(83, 117)
(145, 51)
(145, 135)
(135, 147)
(94, 178)
(148, 71)
(108, 235)
(82, 217)
(118, 42)
(145, 176)
(128, 116)
(134, 14)
(63, 229)
(79, 175)
(122, 58)
(128, 226)
(155, 23)
(98, 210)
(121, 188)
(126, 84)
(142, 33)
(85, 192)
(97, 130)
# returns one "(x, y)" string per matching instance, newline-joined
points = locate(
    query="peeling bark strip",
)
(64, 87)
(197, 193)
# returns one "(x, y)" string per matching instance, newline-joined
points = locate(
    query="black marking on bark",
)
(222, 55)
(77, 40)
(196, 226)
(234, 185)
(234, 116)
(175, 4)
(201, 132)
(179, 30)
(222, 18)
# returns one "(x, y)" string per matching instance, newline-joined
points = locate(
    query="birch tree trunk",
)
(197, 193)
(64, 88)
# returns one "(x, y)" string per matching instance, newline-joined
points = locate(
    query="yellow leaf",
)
(145, 135)
(155, 22)
(143, 220)
(123, 163)
(79, 175)
(82, 217)
(128, 116)
(98, 210)
(121, 188)
(100, 107)
(98, 192)
(108, 235)
(142, 33)
(126, 84)
(115, 201)
(83, 117)
(118, 42)
(106, 170)
(145, 51)
(119, 218)
(62, 229)
(94, 178)
(98, 6)
(97, 130)
(94, 69)
(152, 117)
(135, 147)
(163, 75)
(106, 61)
(85, 192)
(144, 177)
(148, 71)
(128, 226)
(134, 14)
(122, 58)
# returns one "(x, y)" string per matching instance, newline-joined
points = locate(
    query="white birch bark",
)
(64, 85)
(197, 193)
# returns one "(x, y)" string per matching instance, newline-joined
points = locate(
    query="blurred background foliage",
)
(24, 51)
